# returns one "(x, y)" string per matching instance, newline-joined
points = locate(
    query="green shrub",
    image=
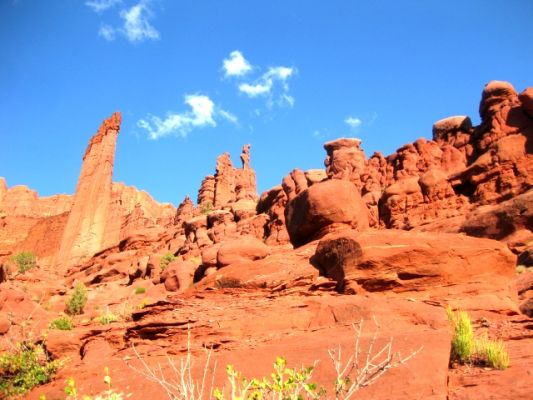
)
(107, 317)
(24, 368)
(77, 300)
(286, 383)
(63, 323)
(492, 352)
(463, 335)
(25, 261)
(165, 260)
(140, 290)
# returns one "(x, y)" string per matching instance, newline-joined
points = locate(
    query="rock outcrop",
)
(86, 226)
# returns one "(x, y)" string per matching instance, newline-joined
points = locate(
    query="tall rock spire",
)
(85, 228)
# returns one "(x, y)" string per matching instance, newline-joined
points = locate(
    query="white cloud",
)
(236, 64)
(228, 116)
(101, 5)
(107, 32)
(137, 27)
(203, 113)
(265, 85)
(258, 89)
(353, 122)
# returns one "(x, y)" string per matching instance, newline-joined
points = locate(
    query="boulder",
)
(324, 206)
(241, 250)
(179, 275)
(468, 272)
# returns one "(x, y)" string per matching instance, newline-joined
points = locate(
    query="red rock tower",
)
(85, 229)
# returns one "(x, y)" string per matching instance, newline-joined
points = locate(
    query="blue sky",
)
(196, 78)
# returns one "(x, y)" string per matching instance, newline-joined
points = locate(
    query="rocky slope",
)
(395, 239)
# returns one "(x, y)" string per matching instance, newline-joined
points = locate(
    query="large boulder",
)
(323, 207)
(241, 250)
(179, 275)
(467, 272)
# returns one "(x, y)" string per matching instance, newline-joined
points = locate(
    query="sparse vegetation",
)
(492, 352)
(72, 391)
(25, 261)
(25, 367)
(223, 283)
(463, 336)
(361, 368)
(77, 300)
(140, 290)
(146, 301)
(286, 383)
(165, 260)
(467, 348)
(62, 323)
(107, 317)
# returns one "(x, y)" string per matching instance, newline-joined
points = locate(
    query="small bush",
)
(463, 336)
(24, 368)
(229, 283)
(107, 317)
(77, 300)
(492, 352)
(165, 260)
(63, 323)
(25, 261)
(140, 290)
(286, 383)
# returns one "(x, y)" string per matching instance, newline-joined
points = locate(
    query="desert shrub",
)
(165, 260)
(360, 368)
(206, 208)
(492, 352)
(480, 350)
(25, 367)
(463, 336)
(63, 323)
(77, 300)
(140, 290)
(25, 261)
(285, 383)
(223, 282)
(107, 317)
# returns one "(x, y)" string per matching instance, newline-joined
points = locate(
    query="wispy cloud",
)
(265, 86)
(137, 27)
(107, 32)
(101, 5)
(353, 122)
(203, 113)
(236, 64)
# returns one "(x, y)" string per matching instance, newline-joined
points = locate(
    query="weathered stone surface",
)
(439, 265)
(86, 225)
(178, 275)
(206, 194)
(345, 160)
(185, 211)
(243, 249)
(324, 206)
(526, 98)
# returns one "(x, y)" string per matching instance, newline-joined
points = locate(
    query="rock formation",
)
(86, 226)
(229, 184)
